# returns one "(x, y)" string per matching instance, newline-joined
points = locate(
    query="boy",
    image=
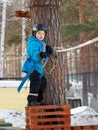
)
(37, 51)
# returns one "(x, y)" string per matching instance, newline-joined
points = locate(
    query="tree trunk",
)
(23, 36)
(47, 12)
(81, 11)
(83, 54)
(2, 38)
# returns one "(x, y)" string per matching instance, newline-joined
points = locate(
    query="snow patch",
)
(82, 116)
(12, 83)
(17, 118)
(85, 110)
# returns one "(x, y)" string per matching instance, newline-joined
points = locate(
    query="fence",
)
(12, 67)
(82, 70)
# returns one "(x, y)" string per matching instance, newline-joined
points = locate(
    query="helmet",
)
(38, 27)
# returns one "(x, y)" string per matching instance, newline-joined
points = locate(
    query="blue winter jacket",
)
(33, 62)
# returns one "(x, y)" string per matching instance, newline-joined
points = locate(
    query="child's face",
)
(40, 35)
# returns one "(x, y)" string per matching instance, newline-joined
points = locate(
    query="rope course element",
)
(78, 46)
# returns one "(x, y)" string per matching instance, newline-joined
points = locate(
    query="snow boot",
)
(43, 103)
(32, 100)
(33, 103)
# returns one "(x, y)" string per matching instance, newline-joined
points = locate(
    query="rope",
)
(51, 87)
(78, 46)
(53, 98)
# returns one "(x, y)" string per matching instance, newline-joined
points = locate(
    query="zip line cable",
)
(78, 46)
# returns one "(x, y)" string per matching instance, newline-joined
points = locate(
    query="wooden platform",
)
(50, 117)
(92, 127)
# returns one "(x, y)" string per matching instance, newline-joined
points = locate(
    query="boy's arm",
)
(33, 51)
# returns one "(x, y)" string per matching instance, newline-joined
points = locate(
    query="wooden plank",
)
(47, 113)
(50, 120)
(65, 107)
(23, 14)
(49, 126)
(27, 117)
(92, 127)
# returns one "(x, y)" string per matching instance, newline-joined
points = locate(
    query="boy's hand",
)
(49, 50)
(43, 54)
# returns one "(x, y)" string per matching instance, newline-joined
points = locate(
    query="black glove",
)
(43, 54)
(49, 50)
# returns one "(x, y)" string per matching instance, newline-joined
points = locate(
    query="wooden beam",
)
(23, 14)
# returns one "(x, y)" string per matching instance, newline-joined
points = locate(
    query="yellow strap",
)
(44, 64)
(50, 70)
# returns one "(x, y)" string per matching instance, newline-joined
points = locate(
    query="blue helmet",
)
(38, 27)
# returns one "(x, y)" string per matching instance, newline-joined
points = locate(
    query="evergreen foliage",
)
(73, 29)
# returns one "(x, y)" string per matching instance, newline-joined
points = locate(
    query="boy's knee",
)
(43, 83)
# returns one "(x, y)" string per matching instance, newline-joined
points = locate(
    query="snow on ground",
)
(12, 83)
(85, 115)
(80, 116)
(17, 118)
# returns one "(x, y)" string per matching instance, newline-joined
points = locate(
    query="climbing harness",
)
(53, 61)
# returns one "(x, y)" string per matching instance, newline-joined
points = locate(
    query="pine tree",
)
(48, 13)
